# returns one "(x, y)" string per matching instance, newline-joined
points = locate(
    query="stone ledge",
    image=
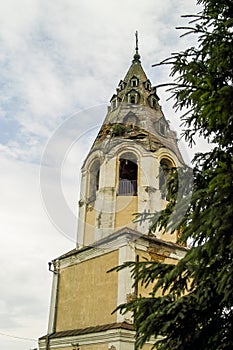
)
(94, 329)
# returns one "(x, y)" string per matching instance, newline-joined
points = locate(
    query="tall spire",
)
(136, 35)
(136, 57)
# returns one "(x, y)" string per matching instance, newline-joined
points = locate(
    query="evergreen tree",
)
(195, 310)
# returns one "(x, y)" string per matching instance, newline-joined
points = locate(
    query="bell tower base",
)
(85, 294)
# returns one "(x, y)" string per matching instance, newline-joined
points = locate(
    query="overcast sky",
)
(61, 62)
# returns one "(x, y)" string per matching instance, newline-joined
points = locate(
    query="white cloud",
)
(28, 241)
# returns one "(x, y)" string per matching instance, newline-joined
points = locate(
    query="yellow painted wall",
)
(87, 294)
(168, 237)
(126, 206)
(147, 347)
(152, 255)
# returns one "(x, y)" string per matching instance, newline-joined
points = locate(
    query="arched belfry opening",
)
(128, 175)
(165, 170)
(131, 119)
(94, 175)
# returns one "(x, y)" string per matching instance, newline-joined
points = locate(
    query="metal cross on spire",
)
(136, 57)
(136, 35)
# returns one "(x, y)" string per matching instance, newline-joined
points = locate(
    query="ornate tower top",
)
(121, 175)
(135, 112)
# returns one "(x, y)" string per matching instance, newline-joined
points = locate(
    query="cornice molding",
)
(115, 241)
(111, 335)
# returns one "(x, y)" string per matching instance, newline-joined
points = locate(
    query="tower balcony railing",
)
(127, 187)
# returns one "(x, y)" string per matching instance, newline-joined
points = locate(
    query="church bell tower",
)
(122, 175)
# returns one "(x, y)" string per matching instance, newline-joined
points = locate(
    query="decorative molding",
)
(111, 335)
(115, 241)
(103, 246)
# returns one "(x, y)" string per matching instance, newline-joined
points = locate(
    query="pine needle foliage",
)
(195, 309)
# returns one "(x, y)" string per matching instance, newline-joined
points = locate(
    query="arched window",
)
(122, 85)
(153, 102)
(165, 171)
(130, 119)
(147, 85)
(134, 82)
(162, 127)
(114, 104)
(133, 97)
(94, 179)
(128, 175)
